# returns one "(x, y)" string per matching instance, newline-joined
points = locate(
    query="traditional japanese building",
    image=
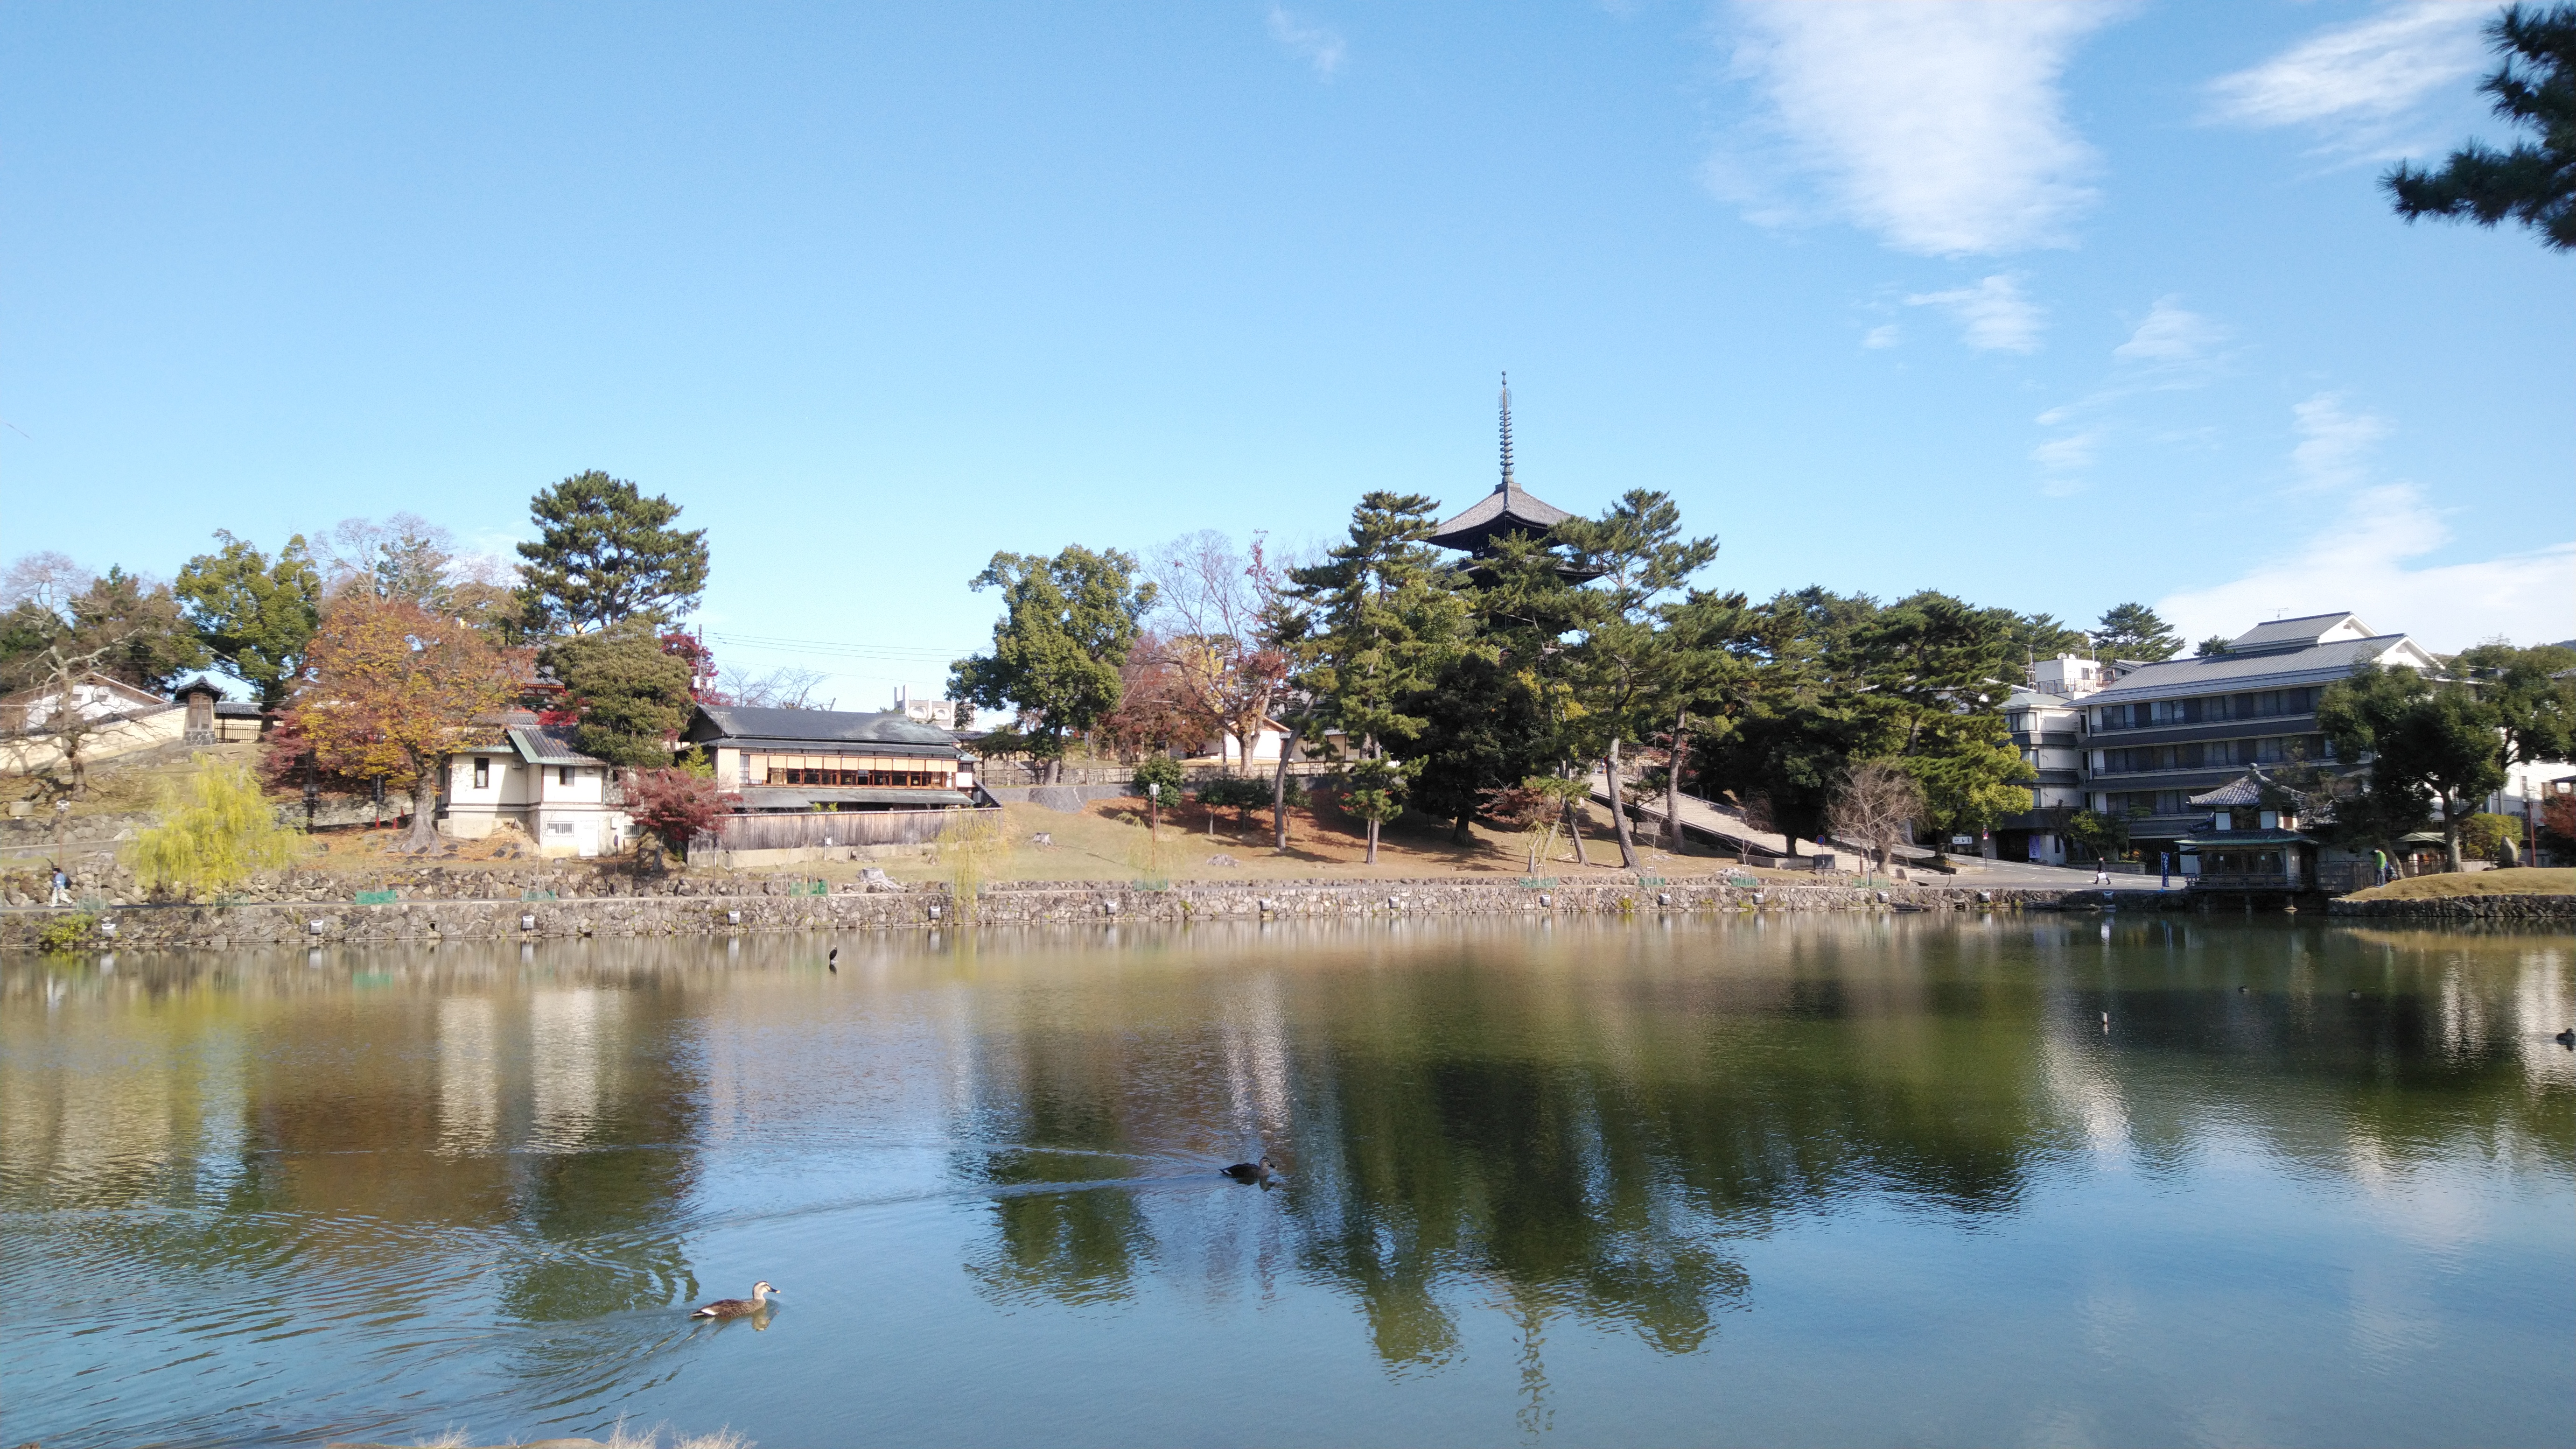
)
(1507, 511)
(2247, 842)
(831, 760)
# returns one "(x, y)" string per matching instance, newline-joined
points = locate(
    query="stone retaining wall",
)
(2461, 908)
(767, 906)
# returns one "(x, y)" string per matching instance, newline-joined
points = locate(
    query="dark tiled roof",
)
(551, 745)
(2220, 673)
(2243, 790)
(2291, 633)
(1505, 510)
(734, 722)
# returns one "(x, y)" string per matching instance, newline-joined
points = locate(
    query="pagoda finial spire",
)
(1506, 484)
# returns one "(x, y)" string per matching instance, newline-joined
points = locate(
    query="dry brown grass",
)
(1109, 840)
(2518, 881)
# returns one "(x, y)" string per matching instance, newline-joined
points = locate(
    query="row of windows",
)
(2216, 754)
(2152, 802)
(2257, 704)
(564, 774)
(878, 779)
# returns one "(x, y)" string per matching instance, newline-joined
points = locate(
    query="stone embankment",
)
(2460, 908)
(431, 904)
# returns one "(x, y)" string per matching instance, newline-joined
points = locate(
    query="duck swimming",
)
(1251, 1171)
(832, 963)
(2566, 1038)
(738, 1307)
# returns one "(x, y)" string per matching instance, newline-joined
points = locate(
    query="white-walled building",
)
(533, 777)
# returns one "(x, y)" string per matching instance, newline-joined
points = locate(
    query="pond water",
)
(1789, 1180)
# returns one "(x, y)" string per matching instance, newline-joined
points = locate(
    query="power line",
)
(829, 649)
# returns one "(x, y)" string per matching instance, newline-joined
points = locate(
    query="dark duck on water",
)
(1251, 1171)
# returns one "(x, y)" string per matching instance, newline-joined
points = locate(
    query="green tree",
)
(2434, 740)
(143, 638)
(2132, 631)
(1158, 778)
(2535, 182)
(2214, 645)
(2534, 696)
(254, 614)
(1795, 719)
(1494, 712)
(2102, 834)
(1629, 683)
(1388, 616)
(630, 695)
(1711, 681)
(211, 831)
(605, 553)
(1067, 625)
(1930, 669)
(2043, 636)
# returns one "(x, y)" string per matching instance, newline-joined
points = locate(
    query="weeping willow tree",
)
(215, 829)
(971, 846)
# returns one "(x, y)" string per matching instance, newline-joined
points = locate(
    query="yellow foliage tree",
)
(215, 828)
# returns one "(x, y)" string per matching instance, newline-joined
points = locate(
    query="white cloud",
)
(1939, 125)
(2170, 336)
(1883, 336)
(2369, 70)
(2060, 456)
(2360, 559)
(2333, 444)
(2172, 349)
(2361, 556)
(1994, 316)
(1318, 45)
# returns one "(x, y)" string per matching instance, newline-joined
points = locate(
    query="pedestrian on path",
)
(62, 889)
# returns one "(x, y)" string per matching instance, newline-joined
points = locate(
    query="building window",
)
(563, 774)
(482, 773)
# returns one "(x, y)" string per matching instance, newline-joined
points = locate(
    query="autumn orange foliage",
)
(394, 688)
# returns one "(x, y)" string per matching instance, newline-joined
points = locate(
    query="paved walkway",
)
(1711, 820)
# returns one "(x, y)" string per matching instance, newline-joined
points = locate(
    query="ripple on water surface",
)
(1768, 1180)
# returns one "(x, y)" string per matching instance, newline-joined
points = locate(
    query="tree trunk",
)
(1673, 780)
(423, 836)
(1618, 807)
(1372, 846)
(1279, 794)
(1574, 832)
(1458, 833)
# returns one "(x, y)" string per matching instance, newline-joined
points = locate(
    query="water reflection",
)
(330, 1174)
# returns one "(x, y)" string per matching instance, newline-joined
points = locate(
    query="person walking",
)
(2379, 865)
(62, 895)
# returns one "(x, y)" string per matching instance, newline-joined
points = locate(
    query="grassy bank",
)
(2520, 881)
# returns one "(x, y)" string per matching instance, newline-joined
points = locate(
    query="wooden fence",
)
(1009, 773)
(799, 829)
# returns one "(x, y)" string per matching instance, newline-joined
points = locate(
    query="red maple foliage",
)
(675, 806)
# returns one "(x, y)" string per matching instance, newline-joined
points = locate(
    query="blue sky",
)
(2051, 307)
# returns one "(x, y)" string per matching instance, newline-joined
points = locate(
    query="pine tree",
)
(2132, 631)
(255, 614)
(604, 553)
(2535, 182)
(1387, 618)
(1638, 555)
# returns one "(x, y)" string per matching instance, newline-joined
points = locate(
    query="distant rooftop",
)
(2285, 634)
(2274, 663)
(814, 726)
